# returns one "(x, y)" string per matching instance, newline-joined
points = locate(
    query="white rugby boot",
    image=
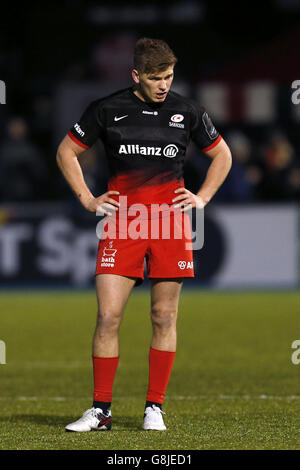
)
(92, 419)
(153, 419)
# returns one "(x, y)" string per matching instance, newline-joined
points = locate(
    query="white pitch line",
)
(61, 364)
(175, 397)
(237, 397)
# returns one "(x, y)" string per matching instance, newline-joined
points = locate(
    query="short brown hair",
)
(153, 55)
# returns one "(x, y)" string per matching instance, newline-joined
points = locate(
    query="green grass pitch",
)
(233, 384)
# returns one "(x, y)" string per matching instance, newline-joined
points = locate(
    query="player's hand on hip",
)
(103, 204)
(187, 200)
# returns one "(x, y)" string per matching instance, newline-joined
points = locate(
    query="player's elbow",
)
(225, 155)
(64, 154)
(227, 158)
(62, 157)
(59, 156)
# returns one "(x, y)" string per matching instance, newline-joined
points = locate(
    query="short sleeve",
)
(203, 131)
(89, 128)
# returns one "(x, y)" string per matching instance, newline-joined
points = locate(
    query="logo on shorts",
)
(109, 251)
(184, 264)
(108, 256)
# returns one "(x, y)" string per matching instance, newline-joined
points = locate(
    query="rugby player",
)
(146, 129)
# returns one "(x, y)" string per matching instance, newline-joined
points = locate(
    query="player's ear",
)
(135, 76)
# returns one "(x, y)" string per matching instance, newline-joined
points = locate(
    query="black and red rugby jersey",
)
(145, 142)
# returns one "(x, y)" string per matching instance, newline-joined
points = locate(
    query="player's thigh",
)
(112, 293)
(165, 295)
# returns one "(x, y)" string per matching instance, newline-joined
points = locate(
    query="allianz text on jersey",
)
(169, 151)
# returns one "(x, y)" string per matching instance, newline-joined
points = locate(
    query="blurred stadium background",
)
(238, 61)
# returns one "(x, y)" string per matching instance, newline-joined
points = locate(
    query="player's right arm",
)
(67, 160)
(81, 137)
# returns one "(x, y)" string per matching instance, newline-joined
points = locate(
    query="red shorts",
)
(168, 251)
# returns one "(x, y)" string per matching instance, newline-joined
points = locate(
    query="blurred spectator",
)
(22, 170)
(95, 171)
(294, 183)
(94, 168)
(112, 57)
(195, 168)
(242, 182)
(75, 72)
(280, 172)
(41, 121)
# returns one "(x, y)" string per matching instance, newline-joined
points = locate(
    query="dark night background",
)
(43, 45)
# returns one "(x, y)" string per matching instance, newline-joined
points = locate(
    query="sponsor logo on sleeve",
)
(79, 130)
(209, 127)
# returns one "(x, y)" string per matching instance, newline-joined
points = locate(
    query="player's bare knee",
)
(108, 320)
(163, 319)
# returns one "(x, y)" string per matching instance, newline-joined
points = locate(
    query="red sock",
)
(160, 367)
(104, 374)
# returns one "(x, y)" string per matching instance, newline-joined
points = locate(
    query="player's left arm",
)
(216, 174)
(217, 171)
(208, 139)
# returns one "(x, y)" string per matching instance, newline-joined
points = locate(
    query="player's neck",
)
(140, 95)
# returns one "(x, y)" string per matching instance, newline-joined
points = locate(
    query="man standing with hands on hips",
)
(145, 130)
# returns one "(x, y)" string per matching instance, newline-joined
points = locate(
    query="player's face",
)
(154, 86)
